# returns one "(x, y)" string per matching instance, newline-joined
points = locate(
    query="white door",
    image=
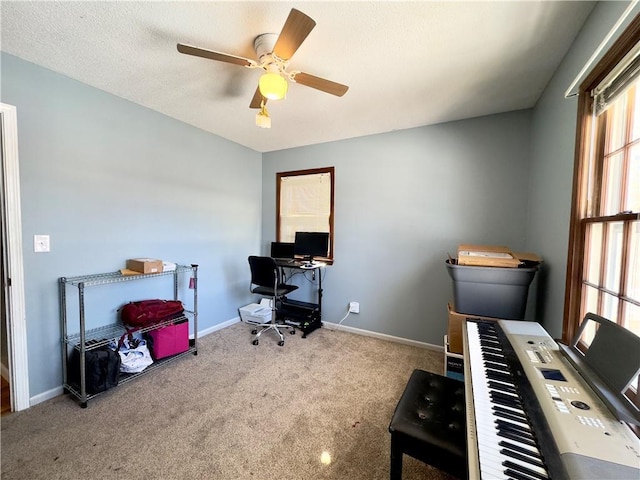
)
(12, 271)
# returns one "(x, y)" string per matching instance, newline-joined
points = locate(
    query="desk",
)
(303, 315)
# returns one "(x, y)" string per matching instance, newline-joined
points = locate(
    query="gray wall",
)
(552, 160)
(109, 180)
(404, 200)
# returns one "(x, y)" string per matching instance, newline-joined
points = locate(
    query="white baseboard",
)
(54, 392)
(218, 326)
(382, 336)
(44, 396)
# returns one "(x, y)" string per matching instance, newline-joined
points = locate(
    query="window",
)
(304, 203)
(603, 272)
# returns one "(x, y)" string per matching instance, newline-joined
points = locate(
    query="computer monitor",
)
(311, 244)
(282, 250)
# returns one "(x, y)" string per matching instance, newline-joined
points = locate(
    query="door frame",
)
(16, 321)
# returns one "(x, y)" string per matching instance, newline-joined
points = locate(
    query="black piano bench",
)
(429, 424)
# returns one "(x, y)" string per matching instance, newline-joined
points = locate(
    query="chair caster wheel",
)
(292, 332)
(254, 331)
(255, 342)
(281, 343)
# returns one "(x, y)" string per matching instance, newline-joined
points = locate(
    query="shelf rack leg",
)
(83, 382)
(63, 327)
(195, 307)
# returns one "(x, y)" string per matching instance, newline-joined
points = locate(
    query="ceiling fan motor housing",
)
(263, 45)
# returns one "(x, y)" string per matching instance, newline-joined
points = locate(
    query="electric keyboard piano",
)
(530, 414)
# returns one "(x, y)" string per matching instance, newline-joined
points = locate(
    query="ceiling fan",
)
(274, 52)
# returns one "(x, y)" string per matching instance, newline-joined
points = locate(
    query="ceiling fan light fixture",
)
(273, 86)
(263, 120)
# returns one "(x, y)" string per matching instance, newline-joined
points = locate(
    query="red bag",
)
(169, 340)
(149, 312)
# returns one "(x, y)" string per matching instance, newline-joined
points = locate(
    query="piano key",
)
(508, 416)
(502, 386)
(501, 394)
(522, 435)
(519, 467)
(507, 394)
(516, 438)
(495, 375)
(494, 357)
(502, 399)
(522, 457)
(525, 449)
(501, 367)
(501, 423)
(516, 435)
(510, 411)
(517, 475)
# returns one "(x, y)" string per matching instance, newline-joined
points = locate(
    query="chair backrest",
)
(264, 271)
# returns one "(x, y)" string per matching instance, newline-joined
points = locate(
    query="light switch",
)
(41, 243)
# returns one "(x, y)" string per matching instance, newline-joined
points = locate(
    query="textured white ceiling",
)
(407, 64)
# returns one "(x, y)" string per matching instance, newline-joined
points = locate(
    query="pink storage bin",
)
(170, 340)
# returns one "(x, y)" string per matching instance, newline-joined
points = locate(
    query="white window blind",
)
(618, 81)
(305, 204)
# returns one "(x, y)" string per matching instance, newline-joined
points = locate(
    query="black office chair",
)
(265, 275)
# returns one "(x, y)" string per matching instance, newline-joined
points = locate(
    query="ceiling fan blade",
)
(257, 99)
(210, 54)
(294, 31)
(320, 84)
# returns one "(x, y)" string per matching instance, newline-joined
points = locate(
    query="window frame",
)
(311, 171)
(576, 250)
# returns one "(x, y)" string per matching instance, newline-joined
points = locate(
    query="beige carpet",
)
(235, 411)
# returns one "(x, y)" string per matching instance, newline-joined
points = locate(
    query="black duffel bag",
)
(102, 369)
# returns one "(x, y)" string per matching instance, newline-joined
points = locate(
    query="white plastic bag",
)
(134, 355)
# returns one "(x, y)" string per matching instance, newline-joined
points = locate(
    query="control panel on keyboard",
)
(581, 424)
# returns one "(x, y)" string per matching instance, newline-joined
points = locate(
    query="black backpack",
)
(102, 369)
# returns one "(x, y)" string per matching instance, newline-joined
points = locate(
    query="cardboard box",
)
(494, 256)
(144, 265)
(454, 329)
(486, 256)
(453, 363)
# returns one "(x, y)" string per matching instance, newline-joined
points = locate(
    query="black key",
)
(508, 424)
(486, 350)
(523, 458)
(494, 357)
(509, 416)
(516, 438)
(522, 435)
(510, 399)
(497, 408)
(505, 395)
(517, 475)
(495, 375)
(519, 448)
(502, 386)
(501, 424)
(527, 471)
(506, 403)
(502, 367)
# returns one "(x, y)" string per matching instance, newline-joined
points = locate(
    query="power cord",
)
(345, 317)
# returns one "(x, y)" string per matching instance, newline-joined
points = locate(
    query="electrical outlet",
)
(354, 307)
